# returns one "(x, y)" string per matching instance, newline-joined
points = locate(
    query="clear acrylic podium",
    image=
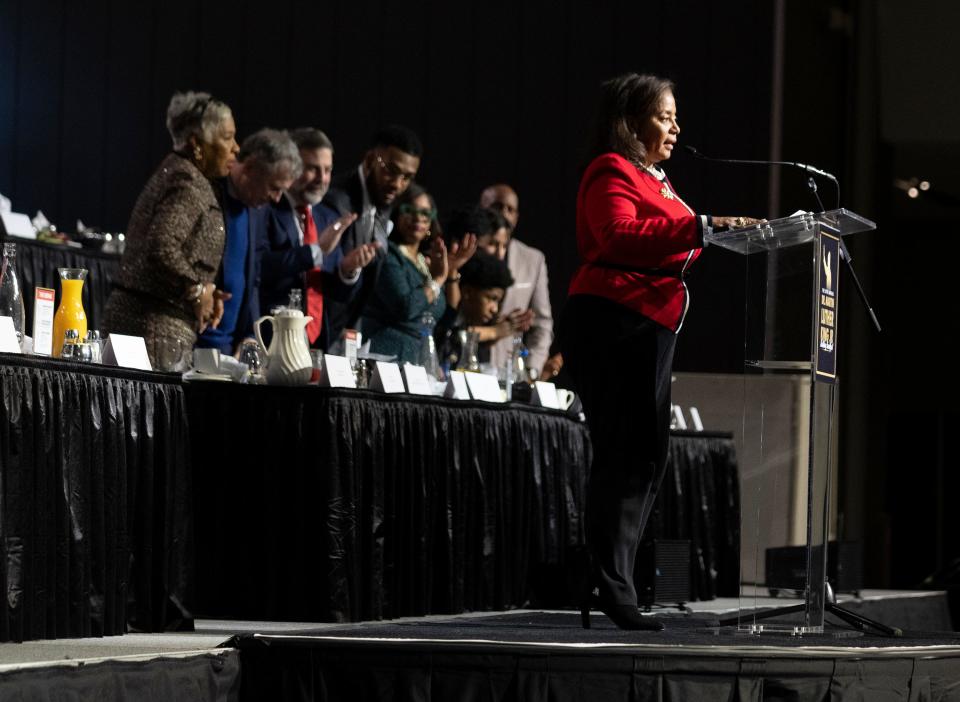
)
(793, 271)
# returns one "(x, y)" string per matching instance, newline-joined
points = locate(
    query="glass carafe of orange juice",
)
(70, 314)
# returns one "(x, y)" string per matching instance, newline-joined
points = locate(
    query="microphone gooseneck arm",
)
(813, 170)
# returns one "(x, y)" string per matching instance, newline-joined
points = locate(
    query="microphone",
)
(794, 164)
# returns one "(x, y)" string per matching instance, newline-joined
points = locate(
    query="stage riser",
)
(204, 678)
(319, 673)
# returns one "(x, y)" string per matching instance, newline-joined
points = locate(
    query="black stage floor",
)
(504, 656)
(545, 655)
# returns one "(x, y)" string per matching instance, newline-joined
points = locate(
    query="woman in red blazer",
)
(637, 238)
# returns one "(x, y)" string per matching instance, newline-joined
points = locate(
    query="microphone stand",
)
(848, 259)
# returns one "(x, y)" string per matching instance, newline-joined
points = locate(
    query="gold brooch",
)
(666, 193)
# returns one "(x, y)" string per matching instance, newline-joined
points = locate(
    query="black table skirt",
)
(699, 500)
(345, 505)
(37, 265)
(95, 518)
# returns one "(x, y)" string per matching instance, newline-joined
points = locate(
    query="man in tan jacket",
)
(530, 289)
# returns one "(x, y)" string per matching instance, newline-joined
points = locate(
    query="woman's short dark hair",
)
(413, 191)
(626, 103)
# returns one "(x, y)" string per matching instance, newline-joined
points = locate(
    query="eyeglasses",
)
(430, 214)
(395, 173)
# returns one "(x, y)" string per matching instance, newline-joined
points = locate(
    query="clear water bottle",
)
(428, 348)
(518, 378)
(11, 297)
(510, 372)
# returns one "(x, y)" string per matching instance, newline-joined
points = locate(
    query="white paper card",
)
(484, 387)
(126, 351)
(457, 386)
(17, 224)
(43, 299)
(337, 372)
(8, 336)
(545, 395)
(417, 381)
(386, 377)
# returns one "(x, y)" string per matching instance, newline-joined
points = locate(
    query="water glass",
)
(251, 355)
(170, 355)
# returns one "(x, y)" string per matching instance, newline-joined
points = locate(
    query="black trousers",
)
(620, 364)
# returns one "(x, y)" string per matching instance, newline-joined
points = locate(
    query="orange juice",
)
(70, 314)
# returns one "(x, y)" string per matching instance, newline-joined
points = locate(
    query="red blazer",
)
(636, 238)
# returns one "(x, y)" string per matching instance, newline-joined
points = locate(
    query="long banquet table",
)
(131, 499)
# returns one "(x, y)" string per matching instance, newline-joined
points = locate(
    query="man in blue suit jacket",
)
(267, 164)
(320, 268)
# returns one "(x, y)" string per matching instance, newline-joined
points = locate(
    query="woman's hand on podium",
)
(735, 222)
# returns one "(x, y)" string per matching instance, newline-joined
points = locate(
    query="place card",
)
(695, 418)
(386, 377)
(484, 387)
(43, 299)
(17, 224)
(126, 351)
(337, 372)
(678, 421)
(457, 386)
(8, 336)
(417, 381)
(545, 395)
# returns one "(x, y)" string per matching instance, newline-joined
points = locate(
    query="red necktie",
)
(313, 280)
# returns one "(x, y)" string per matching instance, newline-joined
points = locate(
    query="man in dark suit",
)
(389, 166)
(267, 164)
(300, 247)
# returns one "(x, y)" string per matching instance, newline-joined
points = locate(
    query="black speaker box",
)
(787, 567)
(662, 572)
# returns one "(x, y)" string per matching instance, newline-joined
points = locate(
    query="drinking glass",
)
(251, 355)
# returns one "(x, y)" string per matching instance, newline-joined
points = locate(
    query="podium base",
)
(860, 623)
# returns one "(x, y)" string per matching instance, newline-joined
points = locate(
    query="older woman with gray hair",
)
(165, 290)
(268, 164)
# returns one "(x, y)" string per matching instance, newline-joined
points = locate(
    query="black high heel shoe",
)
(624, 616)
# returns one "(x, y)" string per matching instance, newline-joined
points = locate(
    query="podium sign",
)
(828, 276)
(789, 436)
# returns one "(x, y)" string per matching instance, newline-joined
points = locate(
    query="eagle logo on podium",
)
(827, 270)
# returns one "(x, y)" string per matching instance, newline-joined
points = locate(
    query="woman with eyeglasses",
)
(414, 288)
(165, 291)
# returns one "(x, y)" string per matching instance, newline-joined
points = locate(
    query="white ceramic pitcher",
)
(288, 358)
